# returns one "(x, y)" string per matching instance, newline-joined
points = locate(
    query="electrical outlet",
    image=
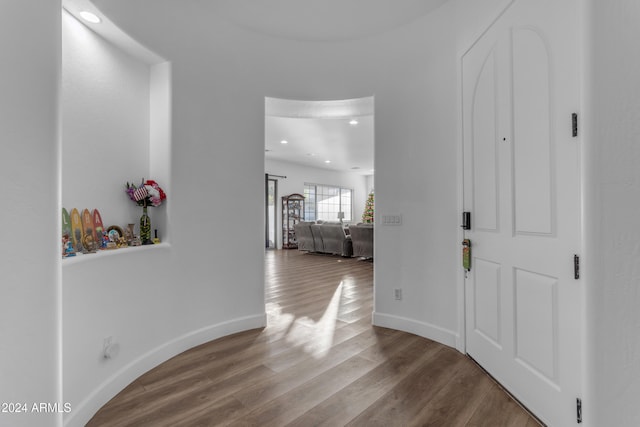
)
(398, 294)
(107, 348)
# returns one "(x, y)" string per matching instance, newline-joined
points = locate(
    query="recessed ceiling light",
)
(327, 161)
(90, 17)
(353, 122)
(284, 141)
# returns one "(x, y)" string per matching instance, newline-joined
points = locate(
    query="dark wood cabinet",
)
(292, 213)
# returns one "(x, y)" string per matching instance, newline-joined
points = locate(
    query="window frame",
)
(311, 206)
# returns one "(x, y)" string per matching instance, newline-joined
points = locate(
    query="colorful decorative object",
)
(66, 223)
(367, 215)
(129, 233)
(67, 246)
(148, 193)
(76, 230)
(145, 227)
(98, 227)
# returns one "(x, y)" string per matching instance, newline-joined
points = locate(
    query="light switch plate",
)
(394, 219)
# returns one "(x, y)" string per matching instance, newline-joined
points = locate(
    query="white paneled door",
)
(522, 186)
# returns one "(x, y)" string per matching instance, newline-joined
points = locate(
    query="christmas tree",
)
(367, 215)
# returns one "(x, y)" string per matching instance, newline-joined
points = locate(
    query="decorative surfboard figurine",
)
(66, 223)
(67, 245)
(98, 227)
(88, 236)
(76, 230)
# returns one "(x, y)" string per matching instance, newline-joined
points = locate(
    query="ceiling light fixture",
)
(284, 141)
(327, 161)
(90, 17)
(353, 122)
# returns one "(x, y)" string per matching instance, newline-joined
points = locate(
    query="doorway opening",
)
(271, 195)
(325, 144)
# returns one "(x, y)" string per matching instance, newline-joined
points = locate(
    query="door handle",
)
(466, 254)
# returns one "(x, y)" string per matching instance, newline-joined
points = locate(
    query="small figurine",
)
(89, 244)
(121, 242)
(128, 233)
(67, 247)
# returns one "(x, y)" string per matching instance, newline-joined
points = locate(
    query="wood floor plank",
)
(299, 400)
(346, 404)
(319, 362)
(403, 402)
(470, 385)
(498, 408)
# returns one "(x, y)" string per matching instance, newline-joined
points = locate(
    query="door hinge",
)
(574, 124)
(579, 410)
(576, 267)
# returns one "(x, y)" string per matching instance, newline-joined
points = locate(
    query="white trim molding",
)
(423, 329)
(333, 109)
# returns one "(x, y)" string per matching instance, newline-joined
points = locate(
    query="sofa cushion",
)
(362, 240)
(304, 236)
(334, 239)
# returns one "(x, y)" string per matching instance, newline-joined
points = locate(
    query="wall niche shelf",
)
(101, 254)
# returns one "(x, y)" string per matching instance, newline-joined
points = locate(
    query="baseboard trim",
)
(423, 329)
(86, 409)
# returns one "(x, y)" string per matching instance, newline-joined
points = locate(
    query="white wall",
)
(370, 184)
(30, 243)
(474, 17)
(298, 175)
(612, 196)
(416, 177)
(221, 74)
(160, 141)
(105, 132)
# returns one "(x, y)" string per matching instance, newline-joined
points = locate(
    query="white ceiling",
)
(326, 20)
(320, 131)
(312, 141)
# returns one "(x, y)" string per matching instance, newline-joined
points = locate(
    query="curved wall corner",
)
(151, 302)
(141, 317)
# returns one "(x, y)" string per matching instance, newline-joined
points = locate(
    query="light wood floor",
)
(319, 362)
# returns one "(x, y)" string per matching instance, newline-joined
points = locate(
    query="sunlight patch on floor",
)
(278, 323)
(315, 338)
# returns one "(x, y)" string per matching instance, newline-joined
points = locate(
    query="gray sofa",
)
(326, 237)
(362, 240)
(304, 237)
